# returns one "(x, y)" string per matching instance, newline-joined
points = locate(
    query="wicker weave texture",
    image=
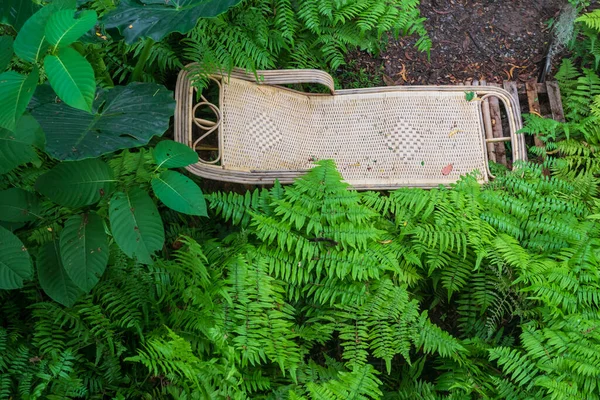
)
(399, 138)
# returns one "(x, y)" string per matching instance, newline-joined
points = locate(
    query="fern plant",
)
(268, 34)
(317, 291)
(340, 272)
(571, 147)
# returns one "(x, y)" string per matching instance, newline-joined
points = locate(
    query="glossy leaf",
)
(76, 183)
(84, 250)
(53, 277)
(16, 12)
(15, 263)
(170, 154)
(72, 78)
(179, 193)
(136, 19)
(136, 225)
(124, 117)
(31, 44)
(16, 91)
(17, 148)
(63, 28)
(6, 51)
(18, 205)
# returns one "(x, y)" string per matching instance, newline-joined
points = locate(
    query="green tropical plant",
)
(121, 117)
(86, 198)
(267, 34)
(78, 120)
(323, 292)
(55, 28)
(108, 289)
(152, 21)
(136, 19)
(571, 147)
(15, 12)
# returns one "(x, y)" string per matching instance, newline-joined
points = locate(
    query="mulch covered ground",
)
(494, 40)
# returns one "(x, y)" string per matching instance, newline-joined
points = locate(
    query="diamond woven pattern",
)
(400, 137)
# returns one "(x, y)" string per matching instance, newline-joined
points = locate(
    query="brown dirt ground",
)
(494, 40)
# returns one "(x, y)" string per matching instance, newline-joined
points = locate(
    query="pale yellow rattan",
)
(380, 138)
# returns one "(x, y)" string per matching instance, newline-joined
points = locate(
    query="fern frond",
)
(591, 19)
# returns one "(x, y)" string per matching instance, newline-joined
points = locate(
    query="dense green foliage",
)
(268, 34)
(571, 148)
(84, 199)
(114, 285)
(257, 34)
(323, 292)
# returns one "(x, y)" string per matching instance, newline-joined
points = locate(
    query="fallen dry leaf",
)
(388, 81)
(447, 169)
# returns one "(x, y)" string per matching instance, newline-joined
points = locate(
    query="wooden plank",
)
(558, 113)
(541, 88)
(487, 123)
(497, 129)
(534, 106)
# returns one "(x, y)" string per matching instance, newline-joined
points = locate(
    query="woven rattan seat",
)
(380, 138)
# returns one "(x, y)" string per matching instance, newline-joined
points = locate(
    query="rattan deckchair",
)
(380, 138)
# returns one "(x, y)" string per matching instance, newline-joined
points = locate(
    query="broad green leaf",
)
(18, 205)
(31, 43)
(16, 12)
(6, 51)
(53, 277)
(16, 148)
(72, 78)
(30, 131)
(179, 193)
(156, 19)
(170, 154)
(136, 225)
(76, 183)
(15, 264)
(84, 250)
(15, 92)
(124, 117)
(63, 29)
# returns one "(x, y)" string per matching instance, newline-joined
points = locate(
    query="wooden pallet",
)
(537, 98)
(537, 93)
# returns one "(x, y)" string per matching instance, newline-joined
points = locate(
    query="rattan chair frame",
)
(185, 118)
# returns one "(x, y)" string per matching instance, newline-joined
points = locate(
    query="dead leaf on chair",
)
(447, 169)
(453, 132)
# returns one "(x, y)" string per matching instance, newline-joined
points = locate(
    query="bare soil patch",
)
(494, 40)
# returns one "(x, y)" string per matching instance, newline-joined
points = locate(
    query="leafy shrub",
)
(310, 291)
(323, 292)
(69, 233)
(266, 34)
